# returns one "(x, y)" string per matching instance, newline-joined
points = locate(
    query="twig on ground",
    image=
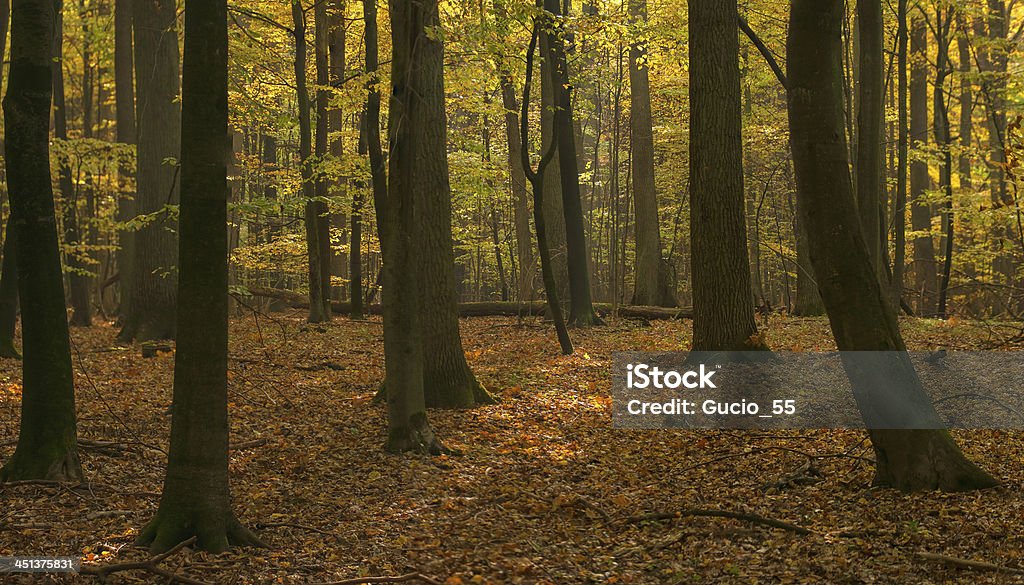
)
(747, 517)
(101, 571)
(262, 525)
(968, 564)
(394, 579)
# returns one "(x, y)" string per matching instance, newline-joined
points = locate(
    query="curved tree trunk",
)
(196, 500)
(153, 272)
(723, 314)
(861, 317)
(47, 441)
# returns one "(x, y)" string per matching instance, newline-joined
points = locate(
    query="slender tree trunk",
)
(196, 500)
(581, 309)
(899, 221)
(652, 286)
(318, 313)
(411, 139)
(9, 292)
(943, 142)
(723, 312)
(321, 36)
(520, 197)
(78, 283)
(47, 443)
(861, 317)
(154, 266)
(870, 126)
(355, 272)
(554, 212)
(124, 96)
(925, 272)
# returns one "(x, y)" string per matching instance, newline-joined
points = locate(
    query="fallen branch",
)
(747, 517)
(968, 564)
(101, 571)
(395, 579)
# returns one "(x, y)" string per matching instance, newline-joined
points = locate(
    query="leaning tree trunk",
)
(652, 282)
(861, 317)
(870, 124)
(47, 441)
(410, 139)
(581, 307)
(196, 500)
(447, 380)
(723, 311)
(925, 273)
(153, 269)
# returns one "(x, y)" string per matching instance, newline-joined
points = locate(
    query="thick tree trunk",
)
(154, 268)
(870, 125)
(78, 283)
(196, 500)
(124, 96)
(410, 140)
(925, 273)
(861, 317)
(723, 313)
(447, 380)
(652, 286)
(47, 442)
(581, 309)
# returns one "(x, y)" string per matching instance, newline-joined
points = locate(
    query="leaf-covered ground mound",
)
(542, 491)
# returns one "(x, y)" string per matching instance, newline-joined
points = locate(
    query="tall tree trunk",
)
(899, 222)
(411, 138)
(925, 272)
(723, 311)
(861, 317)
(154, 268)
(581, 308)
(321, 36)
(554, 212)
(318, 312)
(124, 97)
(520, 198)
(870, 126)
(652, 286)
(9, 292)
(448, 381)
(77, 281)
(196, 500)
(47, 441)
(943, 140)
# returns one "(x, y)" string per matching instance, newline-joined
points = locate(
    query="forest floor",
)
(543, 490)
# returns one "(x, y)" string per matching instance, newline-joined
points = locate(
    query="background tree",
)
(196, 500)
(153, 270)
(47, 442)
(925, 273)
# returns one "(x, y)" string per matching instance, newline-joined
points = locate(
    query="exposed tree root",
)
(150, 565)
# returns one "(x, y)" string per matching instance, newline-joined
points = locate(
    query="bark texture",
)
(861, 317)
(47, 439)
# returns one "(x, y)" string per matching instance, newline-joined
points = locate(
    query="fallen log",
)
(483, 309)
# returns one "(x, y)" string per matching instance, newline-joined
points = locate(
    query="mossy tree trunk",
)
(196, 499)
(47, 442)
(723, 308)
(861, 317)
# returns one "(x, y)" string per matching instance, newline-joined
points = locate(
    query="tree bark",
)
(47, 441)
(520, 197)
(723, 312)
(861, 317)
(925, 272)
(124, 97)
(943, 140)
(410, 140)
(581, 310)
(652, 286)
(9, 292)
(153, 271)
(321, 36)
(196, 500)
(899, 222)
